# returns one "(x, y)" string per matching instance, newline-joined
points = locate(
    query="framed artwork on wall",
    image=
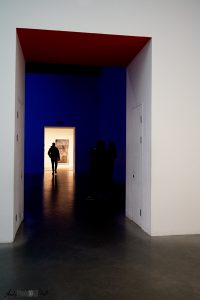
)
(63, 147)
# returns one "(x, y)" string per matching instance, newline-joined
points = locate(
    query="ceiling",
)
(78, 48)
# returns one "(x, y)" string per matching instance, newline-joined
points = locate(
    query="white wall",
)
(7, 134)
(174, 27)
(175, 188)
(139, 82)
(19, 139)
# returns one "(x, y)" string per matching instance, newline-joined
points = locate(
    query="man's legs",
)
(56, 163)
(52, 163)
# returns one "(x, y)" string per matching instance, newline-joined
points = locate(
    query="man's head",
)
(53, 144)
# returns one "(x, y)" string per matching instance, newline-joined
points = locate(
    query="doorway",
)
(134, 53)
(64, 138)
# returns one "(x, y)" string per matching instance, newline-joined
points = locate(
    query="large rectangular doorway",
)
(132, 52)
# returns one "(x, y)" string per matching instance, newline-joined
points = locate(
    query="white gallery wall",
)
(138, 138)
(174, 26)
(18, 213)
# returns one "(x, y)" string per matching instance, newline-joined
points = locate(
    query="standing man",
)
(55, 156)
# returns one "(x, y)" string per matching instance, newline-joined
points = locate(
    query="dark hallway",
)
(72, 246)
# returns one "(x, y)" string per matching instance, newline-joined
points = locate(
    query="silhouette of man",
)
(55, 156)
(98, 167)
(110, 162)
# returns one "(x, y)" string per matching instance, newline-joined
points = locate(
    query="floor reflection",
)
(80, 247)
(64, 200)
(49, 199)
(58, 195)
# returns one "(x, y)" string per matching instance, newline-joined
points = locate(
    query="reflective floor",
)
(73, 245)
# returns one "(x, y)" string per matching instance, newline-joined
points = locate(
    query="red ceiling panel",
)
(64, 47)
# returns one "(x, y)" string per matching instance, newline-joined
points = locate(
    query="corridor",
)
(80, 247)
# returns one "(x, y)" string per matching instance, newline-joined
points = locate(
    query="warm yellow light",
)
(51, 134)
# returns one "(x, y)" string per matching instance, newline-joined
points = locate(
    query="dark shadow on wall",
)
(76, 70)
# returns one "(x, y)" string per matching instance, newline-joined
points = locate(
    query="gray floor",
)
(74, 247)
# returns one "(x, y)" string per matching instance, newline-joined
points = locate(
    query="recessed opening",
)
(64, 138)
(73, 52)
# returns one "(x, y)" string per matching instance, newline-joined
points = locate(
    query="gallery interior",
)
(79, 74)
(90, 90)
(80, 106)
(83, 242)
(91, 99)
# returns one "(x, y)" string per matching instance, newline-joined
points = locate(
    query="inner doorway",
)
(64, 138)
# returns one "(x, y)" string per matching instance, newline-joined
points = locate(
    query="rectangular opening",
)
(64, 138)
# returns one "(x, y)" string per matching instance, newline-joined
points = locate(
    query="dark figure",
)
(110, 162)
(55, 156)
(98, 167)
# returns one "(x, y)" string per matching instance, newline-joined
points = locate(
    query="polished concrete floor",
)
(73, 246)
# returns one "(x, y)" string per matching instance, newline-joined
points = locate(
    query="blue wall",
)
(112, 122)
(93, 102)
